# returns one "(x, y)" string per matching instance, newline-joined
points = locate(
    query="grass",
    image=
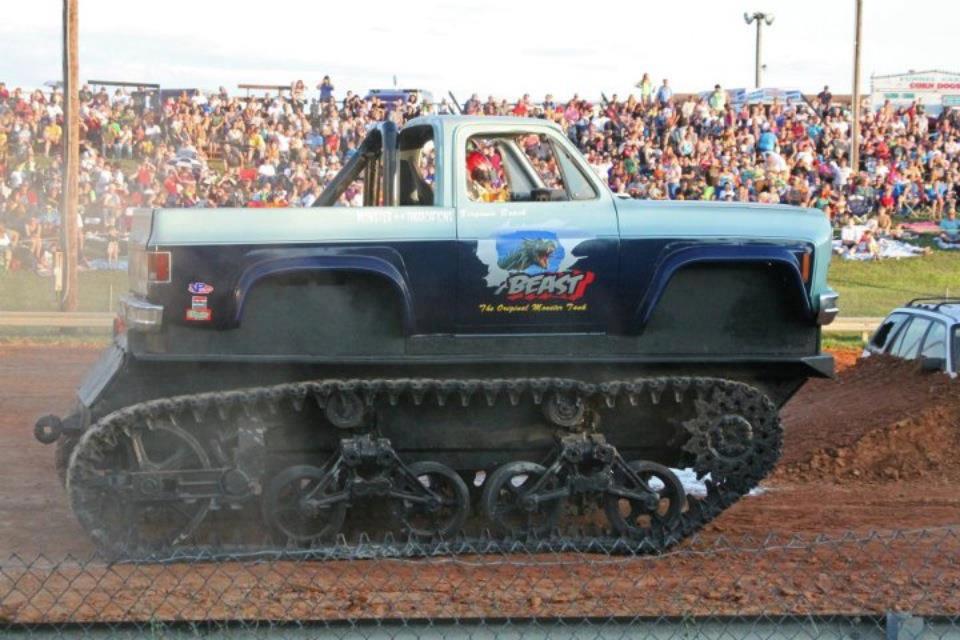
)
(842, 341)
(874, 288)
(55, 337)
(27, 291)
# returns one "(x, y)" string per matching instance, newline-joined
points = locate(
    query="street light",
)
(759, 17)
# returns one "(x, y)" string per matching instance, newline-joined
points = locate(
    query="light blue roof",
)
(451, 120)
(946, 310)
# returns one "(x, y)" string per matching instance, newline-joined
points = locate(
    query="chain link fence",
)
(897, 584)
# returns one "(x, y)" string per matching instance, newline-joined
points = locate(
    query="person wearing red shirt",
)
(144, 175)
(887, 200)
(523, 106)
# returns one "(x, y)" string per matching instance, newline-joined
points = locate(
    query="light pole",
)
(759, 17)
(855, 134)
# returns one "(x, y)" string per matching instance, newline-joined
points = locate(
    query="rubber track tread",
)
(712, 397)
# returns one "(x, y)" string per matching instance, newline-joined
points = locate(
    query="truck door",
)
(538, 239)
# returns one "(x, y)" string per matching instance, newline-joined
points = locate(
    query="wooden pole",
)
(71, 155)
(855, 134)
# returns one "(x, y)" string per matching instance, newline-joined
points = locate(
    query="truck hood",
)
(696, 219)
(734, 222)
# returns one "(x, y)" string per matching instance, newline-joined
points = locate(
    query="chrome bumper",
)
(828, 307)
(140, 315)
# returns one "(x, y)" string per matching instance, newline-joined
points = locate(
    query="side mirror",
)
(930, 365)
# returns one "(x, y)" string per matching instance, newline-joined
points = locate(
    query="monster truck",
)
(514, 349)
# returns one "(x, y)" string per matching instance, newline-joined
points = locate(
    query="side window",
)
(908, 346)
(887, 330)
(935, 344)
(486, 170)
(528, 167)
(540, 154)
(898, 340)
(417, 166)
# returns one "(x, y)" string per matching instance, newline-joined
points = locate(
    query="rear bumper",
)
(140, 315)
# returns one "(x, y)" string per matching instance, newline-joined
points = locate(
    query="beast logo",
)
(568, 285)
(535, 266)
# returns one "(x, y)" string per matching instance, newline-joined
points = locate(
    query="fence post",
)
(903, 626)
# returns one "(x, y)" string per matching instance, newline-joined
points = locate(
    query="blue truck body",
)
(426, 280)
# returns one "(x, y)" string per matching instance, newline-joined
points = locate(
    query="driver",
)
(480, 180)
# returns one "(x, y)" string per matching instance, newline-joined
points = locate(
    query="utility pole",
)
(855, 134)
(760, 18)
(71, 156)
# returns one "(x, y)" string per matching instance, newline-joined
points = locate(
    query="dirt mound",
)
(845, 358)
(882, 419)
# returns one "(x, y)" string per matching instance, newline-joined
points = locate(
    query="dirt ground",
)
(862, 515)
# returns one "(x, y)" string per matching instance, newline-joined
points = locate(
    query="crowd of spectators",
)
(217, 149)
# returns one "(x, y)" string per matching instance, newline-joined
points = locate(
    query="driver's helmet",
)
(478, 166)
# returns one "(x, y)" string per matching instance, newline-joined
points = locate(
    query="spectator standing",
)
(326, 90)
(718, 99)
(664, 93)
(646, 89)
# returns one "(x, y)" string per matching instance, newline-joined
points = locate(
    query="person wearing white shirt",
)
(267, 170)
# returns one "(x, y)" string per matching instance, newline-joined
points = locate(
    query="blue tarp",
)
(738, 97)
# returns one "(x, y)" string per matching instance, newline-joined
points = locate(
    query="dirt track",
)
(817, 492)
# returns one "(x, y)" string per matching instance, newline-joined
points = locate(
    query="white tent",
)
(934, 89)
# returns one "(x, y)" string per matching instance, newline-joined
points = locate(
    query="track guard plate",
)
(109, 364)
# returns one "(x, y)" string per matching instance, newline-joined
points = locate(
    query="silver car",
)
(925, 328)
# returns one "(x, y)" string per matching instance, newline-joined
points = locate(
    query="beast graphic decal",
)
(532, 265)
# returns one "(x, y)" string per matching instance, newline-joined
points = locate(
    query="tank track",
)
(734, 439)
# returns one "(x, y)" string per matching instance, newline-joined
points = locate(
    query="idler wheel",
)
(141, 516)
(510, 501)
(639, 518)
(437, 502)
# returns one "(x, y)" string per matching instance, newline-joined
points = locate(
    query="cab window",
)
(887, 330)
(907, 345)
(935, 344)
(523, 168)
(417, 166)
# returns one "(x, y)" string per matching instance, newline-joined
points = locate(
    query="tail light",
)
(158, 267)
(148, 267)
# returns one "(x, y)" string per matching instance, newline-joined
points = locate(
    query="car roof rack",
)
(933, 302)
